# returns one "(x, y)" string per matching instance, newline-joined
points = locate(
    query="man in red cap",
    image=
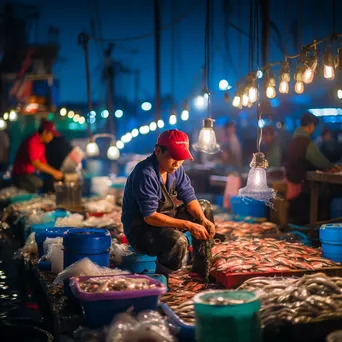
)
(153, 215)
(31, 157)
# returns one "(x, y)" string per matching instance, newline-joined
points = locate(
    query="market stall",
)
(298, 288)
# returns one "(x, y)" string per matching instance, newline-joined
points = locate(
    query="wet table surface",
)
(63, 315)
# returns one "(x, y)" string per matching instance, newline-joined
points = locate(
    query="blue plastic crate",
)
(139, 263)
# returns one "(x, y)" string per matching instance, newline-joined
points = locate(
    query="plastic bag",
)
(117, 251)
(48, 245)
(74, 220)
(146, 326)
(30, 248)
(85, 267)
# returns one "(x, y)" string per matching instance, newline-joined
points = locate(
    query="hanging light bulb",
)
(283, 87)
(113, 152)
(236, 100)
(285, 73)
(298, 76)
(173, 119)
(13, 116)
(3, 124)
(299, 87)
(270, 77)
(329, 70)
(310, 68)
(245, 99)
(271, 92)
(253, 93)
(339, 59)
(92, 149)
(207, 139)
(256, 187)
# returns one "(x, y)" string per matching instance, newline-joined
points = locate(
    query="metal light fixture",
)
(92, 148)
(207, 139)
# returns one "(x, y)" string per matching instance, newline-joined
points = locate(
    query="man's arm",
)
(194, 208)
(46, 168)
(162, 220)
(316, 158)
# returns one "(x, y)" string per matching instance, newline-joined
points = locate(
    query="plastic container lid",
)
(86, 240)
(331, 233)
(241, 303)
(115, 295)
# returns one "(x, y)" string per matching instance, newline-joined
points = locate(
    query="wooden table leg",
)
(314, 202)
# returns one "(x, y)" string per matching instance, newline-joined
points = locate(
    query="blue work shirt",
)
(143, 190)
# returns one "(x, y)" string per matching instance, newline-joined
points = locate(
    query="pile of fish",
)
(265, 255)
(109, 284)
(183, 285)
(297, 300)
(234, 230)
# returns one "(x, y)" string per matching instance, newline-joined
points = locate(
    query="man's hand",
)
(198, 231)
(58, 175)
(209, 226)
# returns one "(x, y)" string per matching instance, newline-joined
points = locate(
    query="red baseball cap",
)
(49, 126)
(177, 144)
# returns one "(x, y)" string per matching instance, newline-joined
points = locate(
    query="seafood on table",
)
(265, 255)
(234, 230)
(109, 284)
(312, 297)
(183, 285)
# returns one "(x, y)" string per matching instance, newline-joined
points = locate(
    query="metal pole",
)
(83, 40)
(110, 76)
(157, 59)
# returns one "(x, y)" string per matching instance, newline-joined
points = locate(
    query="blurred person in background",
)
(283, 138)
(234, 144)
(272, 147)
(31, 157)
(4, 150)
(55, 151)
(329, 146)
(303, 155)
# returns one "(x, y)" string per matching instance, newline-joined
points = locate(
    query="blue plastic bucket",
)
(89, 243)
(331, 239)
(79, 243)
(42, 234)
(248, 207)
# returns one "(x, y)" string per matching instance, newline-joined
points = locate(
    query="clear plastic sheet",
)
(85, 267)
(146, 326)
(101, 205)
(48, 247)
(30, 248)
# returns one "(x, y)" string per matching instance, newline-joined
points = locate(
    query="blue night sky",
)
(120, 19)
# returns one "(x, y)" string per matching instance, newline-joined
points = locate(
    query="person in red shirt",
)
(31, 157)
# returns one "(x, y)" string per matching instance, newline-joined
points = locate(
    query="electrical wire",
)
(150, 34)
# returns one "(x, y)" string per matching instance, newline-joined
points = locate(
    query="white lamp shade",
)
(113, 153)
(207, 141)
(92, 149)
